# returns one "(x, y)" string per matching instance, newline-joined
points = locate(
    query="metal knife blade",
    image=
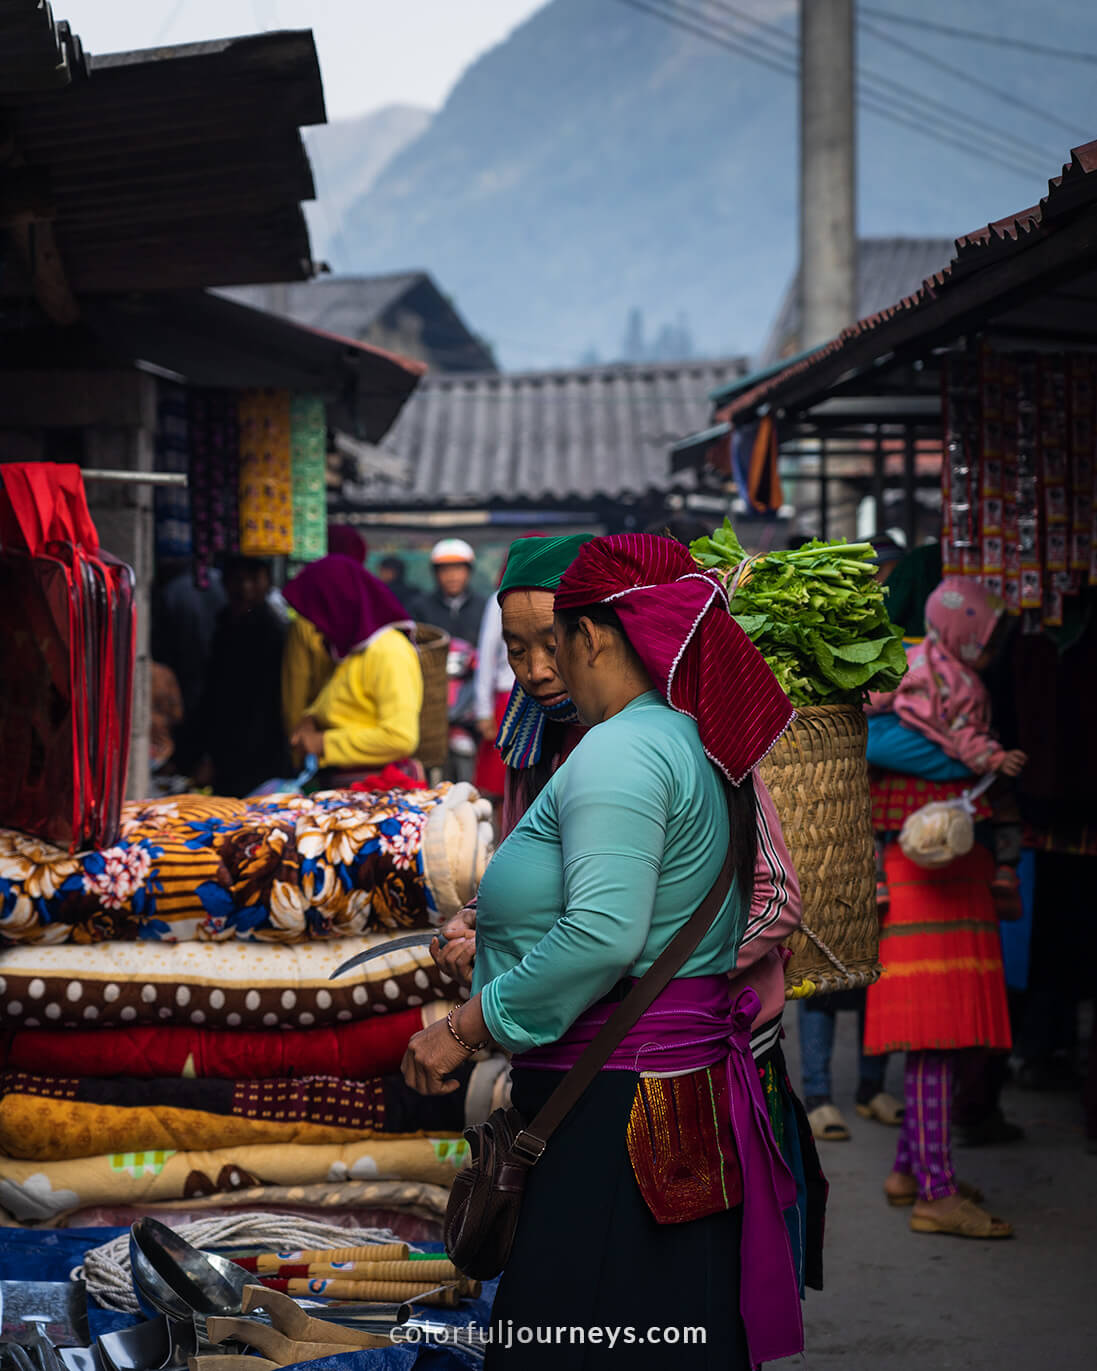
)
(423, 938)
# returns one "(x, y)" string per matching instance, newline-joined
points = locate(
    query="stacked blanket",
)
(171, 1034)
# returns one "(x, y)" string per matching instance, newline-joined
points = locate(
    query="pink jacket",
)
(775, 912)
(941, 695)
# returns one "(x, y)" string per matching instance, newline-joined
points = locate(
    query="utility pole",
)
(828, 180)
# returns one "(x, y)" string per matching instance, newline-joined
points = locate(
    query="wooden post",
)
(828, 225)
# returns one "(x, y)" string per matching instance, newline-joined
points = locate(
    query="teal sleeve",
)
(612, 808)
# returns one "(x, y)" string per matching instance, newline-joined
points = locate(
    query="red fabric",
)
(943, 985)
(896, 796)
(490, 775)
(676, 617)
(45, 503)
(354, 1051)
(68, 619)
(392, 777)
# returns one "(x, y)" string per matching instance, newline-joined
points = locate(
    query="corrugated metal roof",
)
(960, 295)
(178, 167)
(887, 269)
(555, 437)
(407, 304)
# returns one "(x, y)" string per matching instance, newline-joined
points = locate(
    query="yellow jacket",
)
(306, 669)
(369, 710)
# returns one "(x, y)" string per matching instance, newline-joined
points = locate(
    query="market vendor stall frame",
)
(1026, 280)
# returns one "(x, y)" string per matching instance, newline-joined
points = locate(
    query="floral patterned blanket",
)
(285, 868)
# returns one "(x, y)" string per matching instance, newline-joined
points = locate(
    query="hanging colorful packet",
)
(266, 474)
(308, 429)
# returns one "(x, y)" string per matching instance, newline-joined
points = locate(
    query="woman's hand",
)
(1013, 763)
(456, 956)
(309, 737)
(430, 1057)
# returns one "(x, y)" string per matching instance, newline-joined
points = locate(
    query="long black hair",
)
(741, 800)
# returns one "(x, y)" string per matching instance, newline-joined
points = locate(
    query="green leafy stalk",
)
(817, 614)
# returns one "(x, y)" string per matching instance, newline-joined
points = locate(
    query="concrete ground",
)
(900, 1301)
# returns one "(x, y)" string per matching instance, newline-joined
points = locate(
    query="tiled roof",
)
(360, 306)
(887, 269)
(547, 437)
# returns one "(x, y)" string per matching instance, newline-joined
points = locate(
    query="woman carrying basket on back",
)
(626, 1220)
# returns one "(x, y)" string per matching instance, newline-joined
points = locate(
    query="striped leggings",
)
(925, 1141)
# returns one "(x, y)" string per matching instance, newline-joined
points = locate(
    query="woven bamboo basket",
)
(818, 777)
(432, 645)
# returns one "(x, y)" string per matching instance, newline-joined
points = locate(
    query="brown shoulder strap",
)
(530, 1142)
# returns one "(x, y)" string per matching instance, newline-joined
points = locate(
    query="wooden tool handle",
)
(376, 1252)
(380, 1292)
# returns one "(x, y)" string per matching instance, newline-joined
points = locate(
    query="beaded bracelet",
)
(457, 1037)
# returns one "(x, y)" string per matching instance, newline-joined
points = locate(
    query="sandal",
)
(884, 1108)
(827, 1124)
(904, 1199)
(967, 1220)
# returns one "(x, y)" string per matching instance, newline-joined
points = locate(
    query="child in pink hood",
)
(942, 695)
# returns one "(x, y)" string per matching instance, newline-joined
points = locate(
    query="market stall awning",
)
(1031, 277)
(205, 340)
(174, 167)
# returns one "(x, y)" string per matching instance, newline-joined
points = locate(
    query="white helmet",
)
(450, 551)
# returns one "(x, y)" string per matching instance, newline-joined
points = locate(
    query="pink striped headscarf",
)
(676, 617)
(961, 616)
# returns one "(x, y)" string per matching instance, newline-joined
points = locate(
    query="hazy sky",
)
(372, 52)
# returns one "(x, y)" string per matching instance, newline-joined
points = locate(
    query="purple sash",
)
(694, 1024)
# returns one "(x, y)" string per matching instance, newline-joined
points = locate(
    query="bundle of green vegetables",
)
(817, 615)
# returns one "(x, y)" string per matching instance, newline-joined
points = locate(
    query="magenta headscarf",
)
(961, 616)
(676, 617)
(344, 540)
(344, 602)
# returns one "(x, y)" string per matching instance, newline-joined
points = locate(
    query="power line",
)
(977, 36)
(1014, 101)
(700, 32)
(921, 119)
(169, 23)
(887, 88)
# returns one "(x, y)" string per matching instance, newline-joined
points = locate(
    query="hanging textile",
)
(66, 671)
(213, 435)
(266, 474)
(308, 444)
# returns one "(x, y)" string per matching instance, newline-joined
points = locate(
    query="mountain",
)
(600, 162)
(347, 156)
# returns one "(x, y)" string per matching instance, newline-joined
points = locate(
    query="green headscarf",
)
(539, 563)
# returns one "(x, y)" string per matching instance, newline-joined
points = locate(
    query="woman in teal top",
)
(628, 834)
(635, 1213)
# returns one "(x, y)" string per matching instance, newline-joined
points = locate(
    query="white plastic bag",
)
(943, 830)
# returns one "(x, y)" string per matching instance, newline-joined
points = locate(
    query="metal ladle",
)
(172, 1277)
